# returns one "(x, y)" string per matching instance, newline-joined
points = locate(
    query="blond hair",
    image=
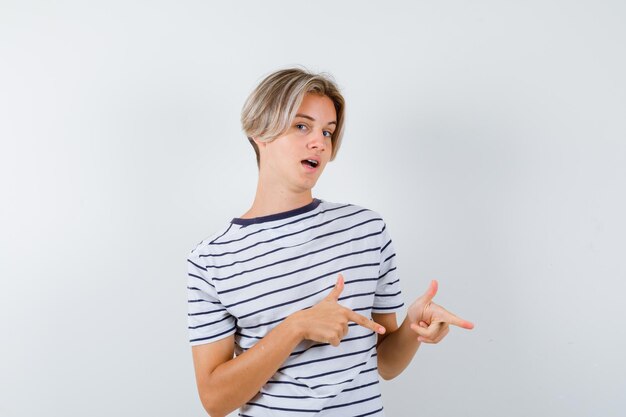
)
(272, 106)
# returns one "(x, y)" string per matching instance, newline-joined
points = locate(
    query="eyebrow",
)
(305, 116)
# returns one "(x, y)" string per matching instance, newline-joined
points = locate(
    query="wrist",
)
(293, 324)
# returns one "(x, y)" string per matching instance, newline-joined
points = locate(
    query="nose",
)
(318, 141)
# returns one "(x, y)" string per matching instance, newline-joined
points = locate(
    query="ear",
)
(259, 143)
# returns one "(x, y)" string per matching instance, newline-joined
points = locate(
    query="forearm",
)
(236, 381)
(396, 351)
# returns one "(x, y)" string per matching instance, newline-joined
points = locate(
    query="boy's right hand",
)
(327, 321)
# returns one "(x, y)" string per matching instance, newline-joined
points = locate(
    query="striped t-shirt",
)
(253, 273)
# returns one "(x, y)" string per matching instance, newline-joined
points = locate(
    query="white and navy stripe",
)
(253, 273)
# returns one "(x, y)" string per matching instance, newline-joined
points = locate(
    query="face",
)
(297, 158)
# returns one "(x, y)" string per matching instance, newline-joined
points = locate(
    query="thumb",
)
(336, 292)
(431, 291)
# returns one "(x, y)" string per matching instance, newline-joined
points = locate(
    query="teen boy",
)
(292, 306)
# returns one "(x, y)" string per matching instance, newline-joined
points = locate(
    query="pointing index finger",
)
(457, 321)
(365, 322)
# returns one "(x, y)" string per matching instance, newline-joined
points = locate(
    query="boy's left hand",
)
(431, 321)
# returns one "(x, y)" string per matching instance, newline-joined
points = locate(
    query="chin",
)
(306, 186)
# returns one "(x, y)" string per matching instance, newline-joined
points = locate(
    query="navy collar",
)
(278, 216)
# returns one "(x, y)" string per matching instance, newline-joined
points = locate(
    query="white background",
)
(490, 135)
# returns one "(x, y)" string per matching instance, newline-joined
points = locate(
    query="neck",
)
(272, 200)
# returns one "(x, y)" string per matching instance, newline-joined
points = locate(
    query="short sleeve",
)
(208, 319)
(388, 297)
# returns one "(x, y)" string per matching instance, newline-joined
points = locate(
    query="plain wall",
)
(490, 135)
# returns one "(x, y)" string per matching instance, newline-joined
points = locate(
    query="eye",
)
(301, 126)
(328, 134)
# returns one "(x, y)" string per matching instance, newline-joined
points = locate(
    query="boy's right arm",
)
(226, 383)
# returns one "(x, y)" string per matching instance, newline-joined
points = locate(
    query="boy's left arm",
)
(425, 322)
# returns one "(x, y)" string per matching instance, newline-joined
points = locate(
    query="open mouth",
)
(310, 162)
